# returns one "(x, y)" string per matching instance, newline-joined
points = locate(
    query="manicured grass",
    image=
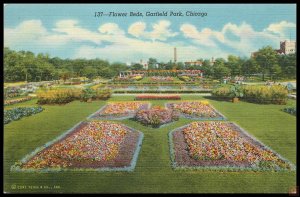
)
(153, 172)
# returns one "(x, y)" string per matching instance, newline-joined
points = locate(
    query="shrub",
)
(275, 94)
(19, 112)
(137, 78)
(222, 91)
(184, 78)
(156, 116)
(291, 110)
(58, 96)
(236, 91)
(87, 94)
(102, 94)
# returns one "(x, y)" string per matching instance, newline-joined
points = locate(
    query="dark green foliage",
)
(19, 112)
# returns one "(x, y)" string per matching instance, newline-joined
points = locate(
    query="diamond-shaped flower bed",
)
(156, 116)
(217, 145)
(95, 145)
(198, 110)
(119, 110)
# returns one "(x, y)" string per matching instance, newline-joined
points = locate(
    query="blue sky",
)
(72, 31)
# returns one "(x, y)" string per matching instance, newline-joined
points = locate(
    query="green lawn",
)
(153, 172)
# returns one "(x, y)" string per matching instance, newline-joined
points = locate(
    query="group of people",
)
(97, 140)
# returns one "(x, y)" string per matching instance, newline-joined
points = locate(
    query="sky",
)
(72, 30)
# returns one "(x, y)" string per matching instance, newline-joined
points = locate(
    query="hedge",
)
(275, 94)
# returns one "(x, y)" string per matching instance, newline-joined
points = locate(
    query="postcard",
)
(150, 98)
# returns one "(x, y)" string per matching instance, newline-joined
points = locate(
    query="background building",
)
(286, 47)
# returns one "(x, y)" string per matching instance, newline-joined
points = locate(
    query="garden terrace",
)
(222, 146)
(119, 110)
(153, 171)
(201, 110)
(96, 145)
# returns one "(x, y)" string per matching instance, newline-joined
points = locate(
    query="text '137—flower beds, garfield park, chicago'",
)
(224, 146)
(89, 146)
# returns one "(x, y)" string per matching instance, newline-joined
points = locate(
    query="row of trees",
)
(26, 66)
(265, 62)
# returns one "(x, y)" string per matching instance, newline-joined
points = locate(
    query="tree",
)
(219, 69)
(137, 67)
(207, 68)
(250, 67)
(288, 65)
(234, 64)
(266, 58)
(152, 63)
(275, 71)
(89, 72)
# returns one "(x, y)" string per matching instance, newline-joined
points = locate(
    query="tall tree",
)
(266, 57)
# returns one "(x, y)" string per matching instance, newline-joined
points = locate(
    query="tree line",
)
(26, 66)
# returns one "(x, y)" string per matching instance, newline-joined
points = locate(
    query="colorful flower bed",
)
(157, 97)
(118, 110)
(159, 78)
(95, 145)
(222, 145)
(19, 112)
(156, 116)
(196, 110)
(17, 100)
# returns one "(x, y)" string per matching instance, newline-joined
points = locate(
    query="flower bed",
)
(158, 79)
(222, 145)
(157, 97)
(96, 145)
(201, 110)
(156, 116)
(18, 100)
(19, 112)
(119, 110)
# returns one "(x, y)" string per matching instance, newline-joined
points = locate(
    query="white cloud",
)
(161, 30)
(142, 44)
(110, 28)
(280, 28)
(246, 39)
(205, 37)
(26, 32)
(70, 30)
(137, 29)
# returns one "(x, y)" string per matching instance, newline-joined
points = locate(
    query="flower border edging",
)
(111, 117)
(130, 168)
(222, 117)
(175, 166)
